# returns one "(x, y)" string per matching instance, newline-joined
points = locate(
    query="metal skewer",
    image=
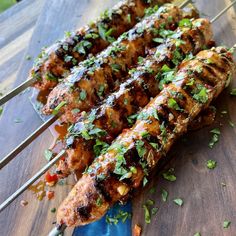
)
(17, 90)
(26, 142)
(223, 11)
(31, 181)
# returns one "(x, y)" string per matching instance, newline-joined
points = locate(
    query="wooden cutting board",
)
(30, 25)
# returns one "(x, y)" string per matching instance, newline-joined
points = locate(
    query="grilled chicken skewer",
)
(94, 131)
(96, 77)
(56, 61)
(115, 174)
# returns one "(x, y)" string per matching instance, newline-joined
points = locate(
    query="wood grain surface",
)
(30, 25)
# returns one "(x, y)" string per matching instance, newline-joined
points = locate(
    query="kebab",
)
(125, 166)
(55, 62)
(94, 131)
(96, 77)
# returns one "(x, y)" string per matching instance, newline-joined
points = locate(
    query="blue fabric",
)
(102, 228)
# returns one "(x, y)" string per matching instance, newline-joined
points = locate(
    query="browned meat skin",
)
(56, 61)
(132, 95)
(111, 176)
(95, 78)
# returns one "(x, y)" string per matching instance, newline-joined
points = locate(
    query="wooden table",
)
(30, 25)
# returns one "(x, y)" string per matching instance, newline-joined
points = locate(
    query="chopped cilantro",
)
(154, 210)
(49, 76)
(226, 224)
(185, 23)
(158, 40)
(100, 147)
(68, 58)
(122, 215)
(152, 190)
(28, 57)
(140, 148)
(99, 201)
(211, 164)
(149, 11)
(105, 33)
(101, 90)
(116, 67)
(231, 124)
(214, 138)
(147, 215)
(150, 202)
(145, 181)
(233, 92)
(165, 68)
(201, 94)
(82, 46)
(178, 201)
(48, 154)
(1, 110)
(197, 234)
(58, 107)
(129, 18)
(173, 104)
(164, 195)
(169, 175)
(53, 210)
(67, 34)
(82, 94)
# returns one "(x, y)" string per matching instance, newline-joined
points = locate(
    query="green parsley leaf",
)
(101, 90)
(48, 154)
(58, 107)
(164, 195)
(147, 215)
(140, 148)
(83, 95)
(116, 67)
(154, 211)
(201, 96)
(165, 68)
(53, 210)
(100, 147)
(1, 110)
(158, 40)
(145, 181)
(215, 137)
(49, 76)
(185, 23)
(149, 11)
(226, 224)
(168, 175)
(211, 164)
(197, 234)
(129, 18)
(99, 201)
(233, 92)
(173, 104)
(150, 202)
(178, 201)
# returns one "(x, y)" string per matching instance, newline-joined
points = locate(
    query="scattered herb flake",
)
(185, 23)
(168, 175)
(231, 123)
(226, 224)
(53, 210)
(83, 95)
(99, 201)
(164, 195)
(152, 190)
(197, 234)
(28, 57)
(58, 107)
(1, 110)
(211, 164)
(48, 154)
(214, 138)
(233, 92)
(147, 214)
(145, 181)
(129, 18)
(150, 202)
(154, 211)
(178, 201)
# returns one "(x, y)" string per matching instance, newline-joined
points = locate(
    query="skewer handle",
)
(58, 230)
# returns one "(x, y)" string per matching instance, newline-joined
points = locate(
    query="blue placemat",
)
(102, 228)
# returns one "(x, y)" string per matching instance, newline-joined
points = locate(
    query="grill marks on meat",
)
(105, 71)
(132, 95)
(153, 127)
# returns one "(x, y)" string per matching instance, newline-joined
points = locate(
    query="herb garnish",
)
(173, 104)
(48, 154)
(82, 47)
(169, 175)
(100, 147)
(105, 33)
(122, 215)
(164, 195)
(185, 23)
(211, 164)
(116, 67)
(233, 92)
(178, 201)
(82, 94)
(226, 224)
(197, 234)
(58, 107)
(215, 137)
